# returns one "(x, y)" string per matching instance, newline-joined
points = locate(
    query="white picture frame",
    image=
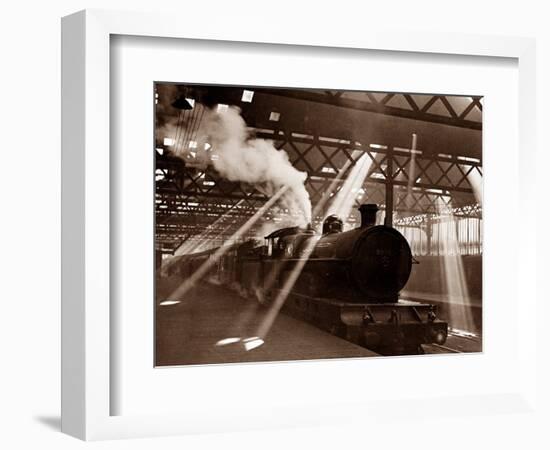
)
(86, 246)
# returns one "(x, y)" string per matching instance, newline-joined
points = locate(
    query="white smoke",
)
(239, 157)
(257, 162)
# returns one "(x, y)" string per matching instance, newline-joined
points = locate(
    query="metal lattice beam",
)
(188, 199)
(367, 101)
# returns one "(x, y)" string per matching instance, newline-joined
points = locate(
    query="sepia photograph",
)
(273, 231)
(298, 224)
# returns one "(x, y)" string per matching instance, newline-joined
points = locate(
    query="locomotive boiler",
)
(369, 264)
(344, 282)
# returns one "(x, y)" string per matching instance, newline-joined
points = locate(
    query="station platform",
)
(214, 325)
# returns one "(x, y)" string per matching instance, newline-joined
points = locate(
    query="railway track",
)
(456, 343)
(433, 349)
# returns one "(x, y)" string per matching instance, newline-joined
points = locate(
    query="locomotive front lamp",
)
(440, 337)
(367, 317)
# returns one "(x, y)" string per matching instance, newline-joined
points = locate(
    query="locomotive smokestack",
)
(368, 214)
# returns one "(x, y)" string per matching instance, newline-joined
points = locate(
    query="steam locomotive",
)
(346, 283)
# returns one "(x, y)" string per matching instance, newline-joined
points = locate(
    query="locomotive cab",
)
(289, 242)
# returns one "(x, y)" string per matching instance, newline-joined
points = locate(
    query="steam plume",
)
(224, 140)
(258, 162)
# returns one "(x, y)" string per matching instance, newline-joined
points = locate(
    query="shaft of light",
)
(208, 237)
(192, 246)
(343, 194)
(275, 307)
(189, 247)
(409, 201)
(345, 198)
(320, 206)
(213, 259)
(460, 314)
(250, 311)
(279, 301)
(476, 181)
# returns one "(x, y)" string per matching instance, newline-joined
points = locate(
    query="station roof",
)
(443, 123)
(320, 129)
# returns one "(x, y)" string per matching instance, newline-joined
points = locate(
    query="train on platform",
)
(345, 282)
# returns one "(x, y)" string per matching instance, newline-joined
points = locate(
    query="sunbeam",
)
(345, 198)
(213, 259)
(476, 181)
(194, 246)
(275, 307)
(460, 314)
(409, 200)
